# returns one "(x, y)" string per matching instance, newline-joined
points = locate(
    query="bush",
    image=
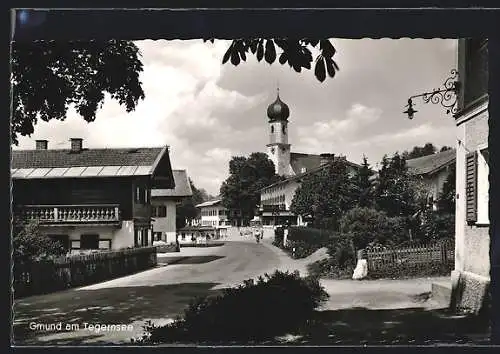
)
(30, 245)
(307, 240)
(166, 247)
(430, 269)
(366, 226)
(326, 268)
(279, 235)
(437, 226)
(251, 312)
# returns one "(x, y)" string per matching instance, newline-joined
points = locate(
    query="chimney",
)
(76, 144)
(41, 144)
(326, 158)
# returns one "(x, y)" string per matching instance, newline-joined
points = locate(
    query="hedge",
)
(253, 312)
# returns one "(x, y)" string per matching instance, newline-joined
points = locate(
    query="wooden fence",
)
(79, 270)
(380, 260)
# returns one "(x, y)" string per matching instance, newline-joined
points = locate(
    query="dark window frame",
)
(84, 241)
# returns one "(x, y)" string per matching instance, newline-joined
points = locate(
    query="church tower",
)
(278, 148)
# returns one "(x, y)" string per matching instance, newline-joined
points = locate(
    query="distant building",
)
(287, 163)
(275, 199)
(164, 203)
(214, 214)
(433, 171)
(471, 277)
(90, 198)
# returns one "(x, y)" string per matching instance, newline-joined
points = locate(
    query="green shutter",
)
(471, 187)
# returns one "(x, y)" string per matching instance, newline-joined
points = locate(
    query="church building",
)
(276, 198)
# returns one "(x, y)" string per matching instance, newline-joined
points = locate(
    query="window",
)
(272, 129)
(183, 236)
(482, 187)
(138, 194)
(161, 211)
(283, 129)
(89, 242)
(104, 244)
(476, 70)
(157, 236)
(471, 187)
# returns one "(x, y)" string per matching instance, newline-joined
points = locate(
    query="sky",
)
(207, 112)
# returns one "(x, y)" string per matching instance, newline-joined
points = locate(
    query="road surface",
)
(159, 294)
(114, 311)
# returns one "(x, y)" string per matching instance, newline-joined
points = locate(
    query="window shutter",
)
(471, 187)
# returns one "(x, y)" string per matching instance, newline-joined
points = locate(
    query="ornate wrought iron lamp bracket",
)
(447, 96)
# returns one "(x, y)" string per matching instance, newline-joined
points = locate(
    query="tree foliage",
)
(294, 52)
(420, 151)
(446, 200)
(247, 176)
(325, 195)
(30, 245)
(48, 77)
(364, 185)
(186, 211)
(394, 191)
(368, 226)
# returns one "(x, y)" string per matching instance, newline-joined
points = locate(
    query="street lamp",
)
(446, 96)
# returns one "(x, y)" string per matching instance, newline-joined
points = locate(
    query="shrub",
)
(366, 226)
(307, 240)
(279, 234)
(254, 311)
(326, 268)
(418, 270)
(437, 226)
(30, 245)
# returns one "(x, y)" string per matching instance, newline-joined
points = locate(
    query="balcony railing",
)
(73, 214)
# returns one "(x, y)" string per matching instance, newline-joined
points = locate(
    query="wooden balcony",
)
(73, 214)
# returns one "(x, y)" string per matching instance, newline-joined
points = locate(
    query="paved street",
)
(160, 294)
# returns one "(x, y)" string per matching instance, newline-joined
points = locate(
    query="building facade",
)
(214, 215)
(471, 277)
(89, 198)
(164, 205)
(433, 171)
(276, 199)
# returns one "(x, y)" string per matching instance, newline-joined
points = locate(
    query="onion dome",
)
(278, 110)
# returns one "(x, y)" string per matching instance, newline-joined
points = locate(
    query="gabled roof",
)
(313, 170)
(209, 203)
(431, 163)
(60, 163)
(182, 186)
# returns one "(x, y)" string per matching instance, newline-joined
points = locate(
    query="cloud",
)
(313, 138)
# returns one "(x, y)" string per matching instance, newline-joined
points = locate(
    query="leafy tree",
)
(446, 200)
(30, 245)
(325, 195)
(186, 211)
(420, 151)
(368, 226)
(247, 176)
(296, 52)
(395, 193)
(363, 185)
(445, 148)
(48, 77)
